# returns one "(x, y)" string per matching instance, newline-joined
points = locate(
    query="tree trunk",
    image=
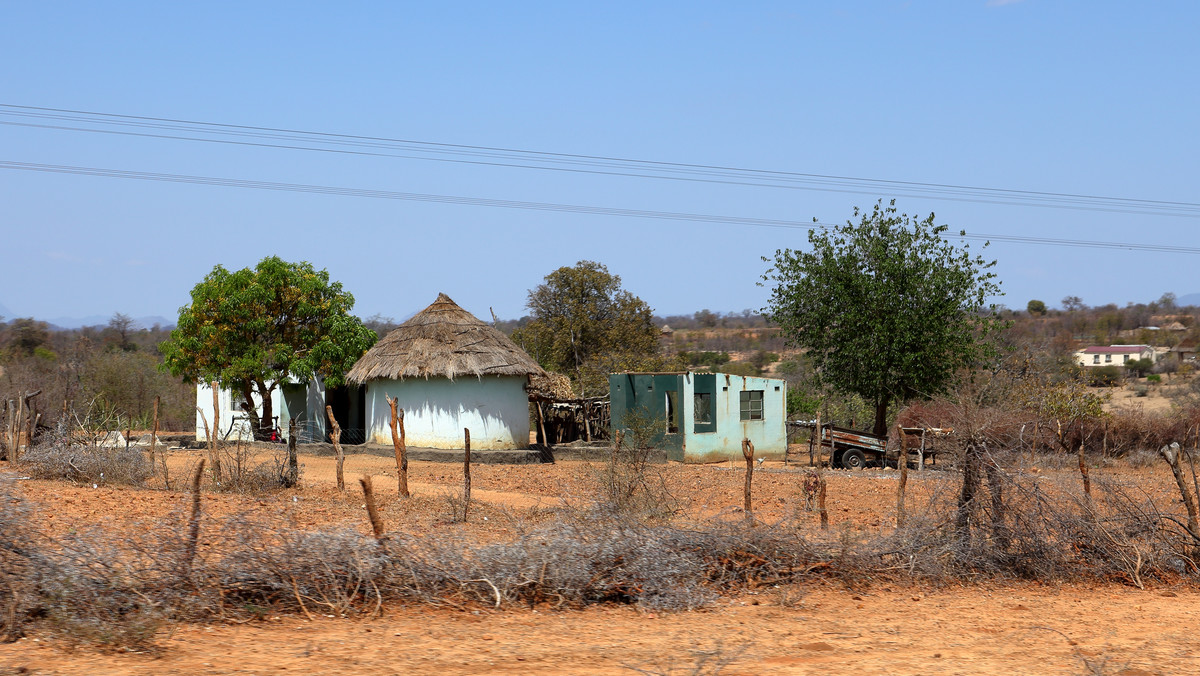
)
(970, 485)
(881, 410)
(263, 429)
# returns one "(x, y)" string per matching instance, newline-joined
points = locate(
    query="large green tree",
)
(886, 307)
(254, 328)
(586, 325)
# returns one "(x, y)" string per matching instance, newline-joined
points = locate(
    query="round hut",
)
(448, 371)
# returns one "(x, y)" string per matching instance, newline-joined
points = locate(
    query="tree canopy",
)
(254, 328)
(584, 324)
(886, 307)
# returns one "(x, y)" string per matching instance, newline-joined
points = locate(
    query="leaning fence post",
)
(399, 447)
(336, 437)
(293, 466)
(372, 511)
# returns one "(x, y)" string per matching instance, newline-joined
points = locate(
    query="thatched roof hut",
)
(443, 341)
(448, 371)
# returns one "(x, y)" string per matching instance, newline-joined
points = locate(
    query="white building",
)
(1113, 355)
(448, 371)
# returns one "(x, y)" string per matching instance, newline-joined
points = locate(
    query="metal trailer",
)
(852, 449)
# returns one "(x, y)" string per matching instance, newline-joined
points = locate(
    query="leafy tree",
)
(1073, 303)
(1036, 308)
(585, 324)
(252, 329)
(887, 308)
(120, 327)
(1140, 367)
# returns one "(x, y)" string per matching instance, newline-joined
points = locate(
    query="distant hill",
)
(1190, 299)
(5, 313)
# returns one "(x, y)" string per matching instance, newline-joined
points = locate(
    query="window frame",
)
(747, 408)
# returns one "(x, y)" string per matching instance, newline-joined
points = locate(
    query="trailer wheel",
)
(853, 459)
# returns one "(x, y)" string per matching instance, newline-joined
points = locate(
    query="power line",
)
(540, 206)
(291, 139)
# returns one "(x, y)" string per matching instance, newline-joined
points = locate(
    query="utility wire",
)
(542, 206)
(271, 137)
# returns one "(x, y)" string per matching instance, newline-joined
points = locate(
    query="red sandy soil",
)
(817, 627)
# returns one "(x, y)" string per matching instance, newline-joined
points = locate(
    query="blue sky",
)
(1093, 98)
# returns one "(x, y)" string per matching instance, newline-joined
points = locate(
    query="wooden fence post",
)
(466, 472)
(399, 447)
(1083, 472)
(902, 465)
(336, 436)
(748, 453)
(372, 511)
(154, 432)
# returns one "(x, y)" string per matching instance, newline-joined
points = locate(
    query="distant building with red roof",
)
(1113, 355)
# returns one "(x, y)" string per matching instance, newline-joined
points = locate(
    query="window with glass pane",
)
(752, 404)
(702, 407)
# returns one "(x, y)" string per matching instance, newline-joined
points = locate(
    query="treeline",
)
(1160, 323)
(97, 373)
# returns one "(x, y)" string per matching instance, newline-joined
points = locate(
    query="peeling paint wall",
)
(720, 436)
(495, 409)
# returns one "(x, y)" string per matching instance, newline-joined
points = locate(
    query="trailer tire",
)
(854, 459)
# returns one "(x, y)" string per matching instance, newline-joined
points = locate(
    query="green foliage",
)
(801, 402)
(584, 324)
(739, 368)
(253, 328)
(705, 359)
(887, 308)
(1104, 376)
(1036, 308)
(1139, 367)
(1154, 378)
(24, 336)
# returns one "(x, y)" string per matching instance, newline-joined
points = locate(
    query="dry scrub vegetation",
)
(121, 588)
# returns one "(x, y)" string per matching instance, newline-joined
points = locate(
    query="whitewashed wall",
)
(495, 409)
(242, 429)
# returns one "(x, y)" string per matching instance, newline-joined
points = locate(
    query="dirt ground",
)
(815, 627)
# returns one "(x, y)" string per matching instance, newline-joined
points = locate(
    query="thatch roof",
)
(443, 341)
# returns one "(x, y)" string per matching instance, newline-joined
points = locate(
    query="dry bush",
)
(59, 458)
(21, 548)
(628, 481)
(266, 566)
(242, 472)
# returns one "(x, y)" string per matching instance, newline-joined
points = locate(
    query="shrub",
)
(1104, 376)
(87, 464)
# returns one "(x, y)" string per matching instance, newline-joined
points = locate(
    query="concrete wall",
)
(722, 437)
(495, 409)
(769, 435)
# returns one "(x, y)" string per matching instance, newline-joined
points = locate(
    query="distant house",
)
(1113, 355)
(1185, 350)
(448, 371)
(704, 416)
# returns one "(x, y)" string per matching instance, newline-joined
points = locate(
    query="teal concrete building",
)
(705, 416)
